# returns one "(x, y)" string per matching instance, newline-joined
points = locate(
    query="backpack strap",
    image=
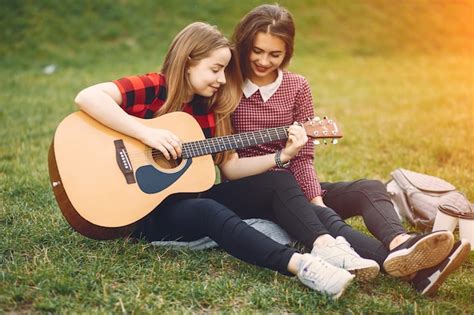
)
(422, 182)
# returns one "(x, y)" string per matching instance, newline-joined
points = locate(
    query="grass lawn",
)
(403, 96)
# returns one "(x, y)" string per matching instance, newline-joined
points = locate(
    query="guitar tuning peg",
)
(325, 142)
(334, 141)
(316, 142)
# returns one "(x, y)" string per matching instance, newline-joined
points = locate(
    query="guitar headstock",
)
(325, 128)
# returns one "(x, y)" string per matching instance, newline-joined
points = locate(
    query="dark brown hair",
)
(266, 18)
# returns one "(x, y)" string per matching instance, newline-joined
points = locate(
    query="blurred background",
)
(85, 33)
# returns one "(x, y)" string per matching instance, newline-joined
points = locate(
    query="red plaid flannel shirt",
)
(143, 96)
(291, 102)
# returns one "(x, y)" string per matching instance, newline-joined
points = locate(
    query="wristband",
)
(278, 161)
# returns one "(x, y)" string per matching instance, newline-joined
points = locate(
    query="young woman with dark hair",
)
(273, 96)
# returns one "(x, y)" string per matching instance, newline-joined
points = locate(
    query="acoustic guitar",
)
(104, 181)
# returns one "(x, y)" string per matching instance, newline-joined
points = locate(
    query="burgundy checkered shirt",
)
(143, 96)
(291, 102)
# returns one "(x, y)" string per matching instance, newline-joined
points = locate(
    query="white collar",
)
(266, 91)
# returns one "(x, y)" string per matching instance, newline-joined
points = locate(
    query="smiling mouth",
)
(261, 69)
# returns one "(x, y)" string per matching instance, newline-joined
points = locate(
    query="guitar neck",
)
(232, 142)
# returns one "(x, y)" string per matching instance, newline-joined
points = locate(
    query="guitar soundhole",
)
(163, 163)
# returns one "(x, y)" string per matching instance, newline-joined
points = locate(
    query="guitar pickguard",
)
(151, 180)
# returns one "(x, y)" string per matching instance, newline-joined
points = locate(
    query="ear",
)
(188, 65)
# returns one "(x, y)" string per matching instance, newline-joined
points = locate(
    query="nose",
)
(264, 60)
(221, 78)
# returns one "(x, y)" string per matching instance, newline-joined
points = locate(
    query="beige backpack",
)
(417, 197)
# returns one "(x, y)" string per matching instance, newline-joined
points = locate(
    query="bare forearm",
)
(102, 101)
(237, 168)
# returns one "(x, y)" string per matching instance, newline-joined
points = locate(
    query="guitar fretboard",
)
(232, 142)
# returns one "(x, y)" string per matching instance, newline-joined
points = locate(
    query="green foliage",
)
(397, 76)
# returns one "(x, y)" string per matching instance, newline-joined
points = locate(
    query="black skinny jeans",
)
(276, 196)
(369, 199)
(191, 219)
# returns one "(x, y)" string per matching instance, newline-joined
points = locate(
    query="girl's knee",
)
(370, 186)
(278, 176)
(282, 180)
(375, 190)
(210, 207)
(278, 182)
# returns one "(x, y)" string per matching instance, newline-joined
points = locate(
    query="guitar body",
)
(104, 181)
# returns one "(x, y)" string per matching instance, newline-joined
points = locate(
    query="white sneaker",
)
(323, 277)
(342, 255)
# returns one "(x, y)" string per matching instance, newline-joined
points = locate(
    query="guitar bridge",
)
(123, 161)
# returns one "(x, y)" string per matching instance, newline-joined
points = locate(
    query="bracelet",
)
(278, 161)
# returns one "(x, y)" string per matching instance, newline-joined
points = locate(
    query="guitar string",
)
(215, 145)
(218, 143)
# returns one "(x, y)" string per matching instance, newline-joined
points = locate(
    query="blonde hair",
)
(266, 18)
(194, 43)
